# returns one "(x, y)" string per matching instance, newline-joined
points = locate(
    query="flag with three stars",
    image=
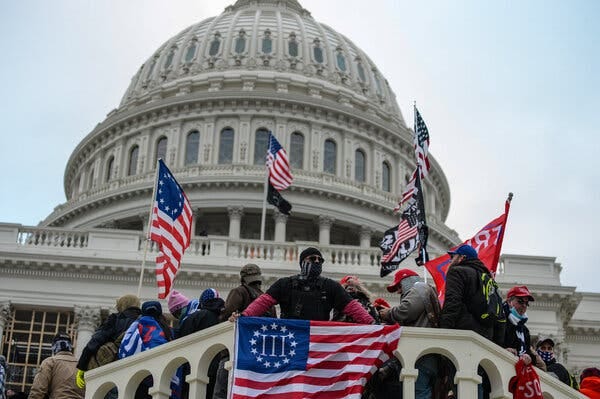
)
(171, 227)
(280, 358)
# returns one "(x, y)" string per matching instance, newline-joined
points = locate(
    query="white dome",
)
(257, 36)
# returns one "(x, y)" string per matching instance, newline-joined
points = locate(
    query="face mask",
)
(515, 314)
(309, 270)
(546, 356)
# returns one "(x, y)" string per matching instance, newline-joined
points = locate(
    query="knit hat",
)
(399, 276)
(465, 250)
(250, 273)
(308, 252)
(177, 301)
(61, 343)
(208, 294)
(127, 301)
(152, 308)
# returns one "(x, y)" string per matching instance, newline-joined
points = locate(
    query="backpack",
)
(106, 353)
(491, 309)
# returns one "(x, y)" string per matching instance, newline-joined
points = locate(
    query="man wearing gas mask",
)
(308, 295)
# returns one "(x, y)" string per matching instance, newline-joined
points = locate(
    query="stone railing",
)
(465, 349)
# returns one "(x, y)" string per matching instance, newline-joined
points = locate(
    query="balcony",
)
(465, 349)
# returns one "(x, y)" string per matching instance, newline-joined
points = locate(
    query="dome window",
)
(110, 165)
(240, 42)
(385, 177)
(297, 150)
(361, 72)
(151, 69)
(341, 60)
(378, 85)
(359, 166)
(161, 149)
(192, 144)
(91, 178)
(133, 160)
(267, 43)
(170, 56)
(318, 51)
(292, 45)
(215, 45)
(191, 50)
(261, 145)
(330, 157)
(226, 146)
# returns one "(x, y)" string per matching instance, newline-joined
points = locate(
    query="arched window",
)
(191, 50)
(341, 60)
(215, 44)
(91, 178)
(267, 43)
(293, 45)
(169, 60)
(361, 72)
(240, 42)
(330, 157)
(359, 166)
(378, 85)
(297, 150)
(133, 159)
(192, 143)
(261, 145)
(318, 51)
(226, 146)
(161, 149)
(110, 165)
(385, 177)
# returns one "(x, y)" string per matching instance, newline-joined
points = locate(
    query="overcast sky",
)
(510, 91)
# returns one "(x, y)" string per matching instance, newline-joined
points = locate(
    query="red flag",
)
(488, 244)
(171, 227)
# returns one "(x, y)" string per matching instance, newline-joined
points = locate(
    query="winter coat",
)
(240, 297)
(56, 378)
(116, 324)
(462, 285)
(206, 316)
(590, 387)
(412, 310)
(511, 340)
(553, 367)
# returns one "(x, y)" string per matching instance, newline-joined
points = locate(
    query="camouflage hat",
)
(250, 273)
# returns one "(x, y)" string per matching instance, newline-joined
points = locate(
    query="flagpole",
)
(139, 291)
(501, 235)
(264, 209)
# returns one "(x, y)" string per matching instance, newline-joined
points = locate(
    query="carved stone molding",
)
(279, 217)
(87, 317)
(5, 311)
(235, 212)
(326, 221)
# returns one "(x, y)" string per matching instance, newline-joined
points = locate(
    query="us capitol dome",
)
(205, 102)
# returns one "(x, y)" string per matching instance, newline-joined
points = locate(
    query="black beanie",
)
(308, 252)
(152, 308)
(61, 343)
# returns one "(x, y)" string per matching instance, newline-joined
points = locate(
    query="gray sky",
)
(510, 92)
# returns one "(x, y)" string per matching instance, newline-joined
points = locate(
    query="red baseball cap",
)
(399, 276)
(381, 303)
(520, 291)
(346, 279)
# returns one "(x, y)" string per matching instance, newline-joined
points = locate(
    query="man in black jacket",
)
(545, 348)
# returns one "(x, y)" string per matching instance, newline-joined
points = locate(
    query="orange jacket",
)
(590, 387)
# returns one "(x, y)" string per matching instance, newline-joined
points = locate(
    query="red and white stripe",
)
(173, 237)
(405, 231)
(280, 175)
(341, 359)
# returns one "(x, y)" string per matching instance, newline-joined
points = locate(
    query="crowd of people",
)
(137, 327)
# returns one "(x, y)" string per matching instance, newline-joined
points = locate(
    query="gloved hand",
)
(79, 379)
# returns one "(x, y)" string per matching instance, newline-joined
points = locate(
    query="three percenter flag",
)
(298, 359)
(171, 227)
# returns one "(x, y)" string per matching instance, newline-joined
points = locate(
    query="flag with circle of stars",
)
(280, 357)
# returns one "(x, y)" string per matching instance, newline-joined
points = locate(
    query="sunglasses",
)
(522, 302)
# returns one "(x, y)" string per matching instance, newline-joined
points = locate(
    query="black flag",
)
(422, 256)
(274, 198)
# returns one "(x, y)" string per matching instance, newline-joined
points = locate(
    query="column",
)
(5, 307)
(365, 236)
(235, 219)
(87, 319)
(280, 224)
(325, 223)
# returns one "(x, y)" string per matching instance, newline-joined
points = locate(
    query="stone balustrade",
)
(465, 349)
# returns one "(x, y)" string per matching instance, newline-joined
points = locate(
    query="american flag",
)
(421, 144)
(400, 241)
(171, 227)
(278, 164)
(298, 359)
